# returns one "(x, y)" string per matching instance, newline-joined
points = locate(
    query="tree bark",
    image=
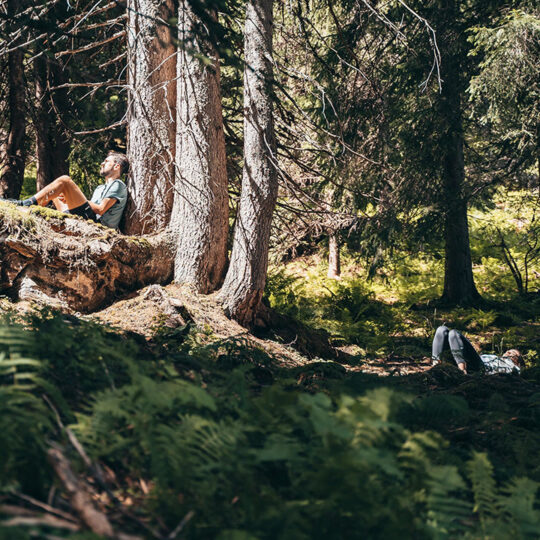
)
(201, 205)
(334, 263)
(151, 114)
(15, 154)
(52, 143)
(244, 284)
(70, 262)
(459, 286)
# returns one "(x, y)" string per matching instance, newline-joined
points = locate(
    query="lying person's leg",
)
(440, 343)
(463, 352)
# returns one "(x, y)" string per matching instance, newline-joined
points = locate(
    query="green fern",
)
(24, 420)
(448, 509)
(14, 345)
(517, 503)
(480, 472)
(196, 449)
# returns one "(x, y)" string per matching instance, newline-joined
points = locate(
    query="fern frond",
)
(480, 472)
(14, 344)
(197, 448)
(446, 511)
(23, 417)
(517, 501)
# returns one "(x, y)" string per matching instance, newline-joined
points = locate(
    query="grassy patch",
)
(391, 313)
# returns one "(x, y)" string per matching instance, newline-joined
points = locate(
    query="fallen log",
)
(70, 262)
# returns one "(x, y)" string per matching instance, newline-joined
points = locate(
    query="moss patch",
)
(140, 241)
(13, 216)
(48, 213)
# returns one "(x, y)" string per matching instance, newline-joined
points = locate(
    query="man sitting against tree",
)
(107, 203)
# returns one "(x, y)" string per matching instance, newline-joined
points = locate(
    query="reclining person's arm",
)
(103, 206)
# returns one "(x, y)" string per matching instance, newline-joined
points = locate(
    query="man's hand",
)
(60, 203)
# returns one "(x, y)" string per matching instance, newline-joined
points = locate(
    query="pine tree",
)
(244, 284)
(151, 114)
(201, 205)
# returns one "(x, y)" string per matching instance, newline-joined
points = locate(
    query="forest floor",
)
(491, 412)
(350, 345)
(146, 313)
(141, 315)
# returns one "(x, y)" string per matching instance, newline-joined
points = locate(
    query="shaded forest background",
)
(353, 170)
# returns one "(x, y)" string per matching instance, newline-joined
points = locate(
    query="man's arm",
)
(103, 206)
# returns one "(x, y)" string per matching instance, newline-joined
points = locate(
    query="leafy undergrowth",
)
(394, 315)
(217, 440)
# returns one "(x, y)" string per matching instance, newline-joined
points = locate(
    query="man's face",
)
(108, 166)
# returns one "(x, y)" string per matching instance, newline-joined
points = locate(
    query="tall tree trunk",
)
(459, 287)
(244, 284)
(15, 155)
(201, 205)
(334, 263)
(538, 154)
(52, 143)
(151, 114)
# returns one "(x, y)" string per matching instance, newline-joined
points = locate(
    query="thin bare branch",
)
(91, 45)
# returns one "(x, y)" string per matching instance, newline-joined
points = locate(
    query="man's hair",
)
(121, 160)
(515, 356)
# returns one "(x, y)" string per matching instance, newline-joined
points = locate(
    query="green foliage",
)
(269, 467)
(255, 460)
(347, 309)
(290, 464)
(14, 533)
(472, 318)
(29, 183)
(79, 358)
(505, 91)
(434, 410)
(505, 238)
(499, 513)
(375, 314)
(24, 421)
(481, 475)
(447, 506)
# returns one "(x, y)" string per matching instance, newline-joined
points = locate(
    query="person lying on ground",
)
(106, 204)
(466, 357)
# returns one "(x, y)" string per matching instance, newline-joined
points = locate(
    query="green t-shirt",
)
(114, 190)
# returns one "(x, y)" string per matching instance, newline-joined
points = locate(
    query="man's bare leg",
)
(65, 186)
